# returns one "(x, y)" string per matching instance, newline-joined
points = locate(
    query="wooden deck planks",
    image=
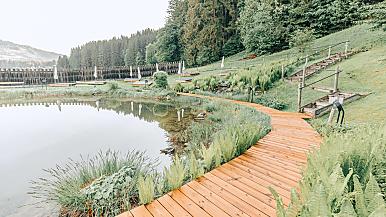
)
(240, 187)
(140, 211)
(172, 206)
(217, 200)
(156, 209)
(188, 204)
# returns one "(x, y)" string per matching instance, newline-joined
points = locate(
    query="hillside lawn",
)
(362, 73)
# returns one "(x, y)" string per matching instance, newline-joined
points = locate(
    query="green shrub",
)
(113, 86)
(145, 189)
(271, 102)
(179, 88)
(161, 80)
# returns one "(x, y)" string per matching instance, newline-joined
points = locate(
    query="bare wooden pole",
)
(336, 79)
(300, 90)
(331, 116)
(329, 51)
(304, 72)
(346, 49)
(282, 72)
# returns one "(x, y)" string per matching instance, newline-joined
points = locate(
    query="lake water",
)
(38, 136)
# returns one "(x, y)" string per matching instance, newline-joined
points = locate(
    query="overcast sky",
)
(58, 26)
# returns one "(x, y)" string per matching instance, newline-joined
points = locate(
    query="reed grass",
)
(195, 168)
(146, 189)
(101, 185)
(175, 174)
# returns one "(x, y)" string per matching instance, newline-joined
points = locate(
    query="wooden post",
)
(346, 49)
(304, 73)
(300, 90)
(329, 52)
(336, 80)
(329, 122)
(282, 72)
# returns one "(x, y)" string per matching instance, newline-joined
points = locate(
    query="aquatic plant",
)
(175, 174)
(195, 167)
(101, 185)
(226, 142)
(208, 156)
(146, 189)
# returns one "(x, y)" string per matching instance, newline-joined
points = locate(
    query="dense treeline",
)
(201, 32)
(26, 64)
(122, 51)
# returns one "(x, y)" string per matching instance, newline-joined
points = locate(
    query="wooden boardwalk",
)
(240, 187)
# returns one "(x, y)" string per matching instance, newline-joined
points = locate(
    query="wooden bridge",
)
(38, 76)
(240, 187)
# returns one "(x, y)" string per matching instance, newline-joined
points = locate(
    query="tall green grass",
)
(105, 184)
(146, 189)
(175, 174)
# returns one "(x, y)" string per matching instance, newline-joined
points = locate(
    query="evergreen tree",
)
(169, 40)
(151, 54)
(262, 27)
(63, 63)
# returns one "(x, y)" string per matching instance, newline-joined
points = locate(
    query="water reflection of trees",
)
(170, 117)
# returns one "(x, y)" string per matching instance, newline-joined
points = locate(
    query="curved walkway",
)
(240, 187)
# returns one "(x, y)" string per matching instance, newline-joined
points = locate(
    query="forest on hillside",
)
(201, 32)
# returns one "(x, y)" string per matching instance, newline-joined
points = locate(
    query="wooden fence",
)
(29, 76)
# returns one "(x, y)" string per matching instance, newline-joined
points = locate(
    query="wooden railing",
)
(30, 76)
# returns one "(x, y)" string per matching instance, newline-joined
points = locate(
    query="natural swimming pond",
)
(40, 135)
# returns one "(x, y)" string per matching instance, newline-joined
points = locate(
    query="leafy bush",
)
(179, 88)
(344, 178)
(104, 195)
(271, 102)
(113, 86)
(301, 39)
(161, 80)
